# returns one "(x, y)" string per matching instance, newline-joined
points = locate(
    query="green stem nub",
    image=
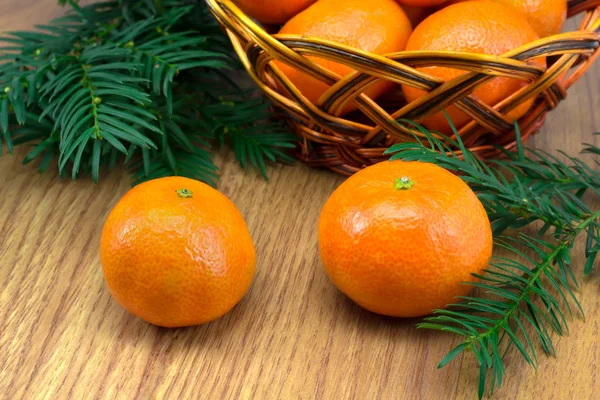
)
(184, 193)
(404, 183)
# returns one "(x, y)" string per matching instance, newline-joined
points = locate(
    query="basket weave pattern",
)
(348, 143)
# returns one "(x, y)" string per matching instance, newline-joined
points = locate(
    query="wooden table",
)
(294, 336)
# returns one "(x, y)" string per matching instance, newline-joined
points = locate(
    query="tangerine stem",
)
(184, 193)
(404, 183)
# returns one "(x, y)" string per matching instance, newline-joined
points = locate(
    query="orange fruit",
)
(176, 252)
(399, 237)
(421, 3)
(547, 17)
(450, 2)
(416, 14)
(476, 27)
(378, 27)
(272, 11)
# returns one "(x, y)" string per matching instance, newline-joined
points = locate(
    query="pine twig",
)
(141, 82)
(539, 187)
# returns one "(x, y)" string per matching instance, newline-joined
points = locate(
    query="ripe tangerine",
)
(176, 252)
(476, 27)
(547, 17)
(378, 27)
(272, 11)
(399, 238)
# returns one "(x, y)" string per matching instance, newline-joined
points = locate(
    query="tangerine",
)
(272, 11)
(416, 14)
(477, 27)
(421, 3)
(176, 252)
(378, 27)
(399, 238)
(547, 17)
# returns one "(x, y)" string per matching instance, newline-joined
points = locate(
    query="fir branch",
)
(539, 187)
(116, 81)
(252, 143)
(514, 286)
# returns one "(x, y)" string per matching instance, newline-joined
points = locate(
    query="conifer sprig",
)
(525, 296)
(136, 81)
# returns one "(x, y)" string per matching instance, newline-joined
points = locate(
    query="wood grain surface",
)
(294, 336)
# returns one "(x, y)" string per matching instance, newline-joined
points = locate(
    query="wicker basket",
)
(348, 143)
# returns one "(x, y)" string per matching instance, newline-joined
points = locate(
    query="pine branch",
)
(117, 82)
(252, 143)
(539, 187)
(514, 287)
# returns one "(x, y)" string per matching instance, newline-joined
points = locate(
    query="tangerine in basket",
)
(176, 252)
(547, 17)
(416, 14)
(421, 3)
(476, 27)
(378, 27)
(272, 11)
(399, 238)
